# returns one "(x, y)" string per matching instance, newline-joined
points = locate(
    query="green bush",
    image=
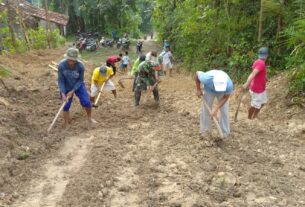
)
(38, 38)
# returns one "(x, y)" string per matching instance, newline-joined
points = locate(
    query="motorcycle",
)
(91, 44)
(125, 44)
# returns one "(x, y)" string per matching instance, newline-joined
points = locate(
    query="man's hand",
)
(70, 94)
(244, 88)
(214, 113)
(151, 88)
(63, 97)
(199, 93)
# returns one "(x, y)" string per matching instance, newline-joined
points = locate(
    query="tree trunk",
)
(260, 27)
(47, 24)
(10, 26)
(22, 26)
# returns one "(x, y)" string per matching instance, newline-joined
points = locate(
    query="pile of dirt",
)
(32, 99)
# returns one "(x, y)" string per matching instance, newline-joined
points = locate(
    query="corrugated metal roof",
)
(28, 9)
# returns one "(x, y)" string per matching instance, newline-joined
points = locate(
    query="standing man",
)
(168, 61)
(151, 56)
(70, 82)
(147, 79)
(135, 69)
(257, 82)
(100, 76)
(216, 84)
(112, 60)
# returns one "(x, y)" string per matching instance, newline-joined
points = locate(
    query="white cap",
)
(220, 81)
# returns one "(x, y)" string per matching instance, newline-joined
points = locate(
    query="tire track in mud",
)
(49, 188)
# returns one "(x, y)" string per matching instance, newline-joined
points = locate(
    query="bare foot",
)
(92, 121)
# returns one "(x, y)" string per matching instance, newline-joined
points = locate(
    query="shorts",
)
(83, 96)
(109, 86)
(258, 99)
(123, 66)
(167, 66)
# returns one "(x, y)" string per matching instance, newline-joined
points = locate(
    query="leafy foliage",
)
(38, 38)
(208, 34)
(4, 72)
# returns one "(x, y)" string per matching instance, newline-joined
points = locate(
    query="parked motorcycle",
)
(125, 43)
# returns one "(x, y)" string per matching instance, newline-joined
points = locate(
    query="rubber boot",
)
(137, 97)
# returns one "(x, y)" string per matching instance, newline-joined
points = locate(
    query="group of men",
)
(71, 78)
(146, 71)
(217, 84)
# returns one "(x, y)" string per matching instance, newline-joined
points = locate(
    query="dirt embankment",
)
(145, 156)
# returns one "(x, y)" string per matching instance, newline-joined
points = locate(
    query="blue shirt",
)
(69, 79)
(206, 79)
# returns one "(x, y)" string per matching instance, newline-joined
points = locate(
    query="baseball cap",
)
(263, 53)
(103, 70)
(220, 81)
(72, 54)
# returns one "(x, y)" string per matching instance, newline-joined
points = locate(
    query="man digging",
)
(100, 76)
(216, 84)
(147, 79)
(257, 82)
(70, 82)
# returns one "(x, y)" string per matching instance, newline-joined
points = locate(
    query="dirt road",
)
(153, 156)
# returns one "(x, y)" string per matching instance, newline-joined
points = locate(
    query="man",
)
(168, 61)
(151, 56)
(147, 78)
(216, 84)
(257, 82)
(125, 62)
(135, 69)
(112, 60)
(100, 76)
(70, 82)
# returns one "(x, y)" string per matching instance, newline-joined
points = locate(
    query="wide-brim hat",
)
(72, 54)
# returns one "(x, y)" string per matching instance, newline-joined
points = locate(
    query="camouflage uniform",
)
(146, 77)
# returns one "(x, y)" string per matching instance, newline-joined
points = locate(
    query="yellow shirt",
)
(97, 76)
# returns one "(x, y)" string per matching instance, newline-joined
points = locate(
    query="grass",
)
(101, 54)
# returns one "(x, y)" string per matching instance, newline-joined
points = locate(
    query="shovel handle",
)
(100, 93)
(238, 106)
(57, 115)
(214, 119)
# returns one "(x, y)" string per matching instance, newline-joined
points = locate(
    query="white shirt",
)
(149, 57)
(125, 60)
(166, 57)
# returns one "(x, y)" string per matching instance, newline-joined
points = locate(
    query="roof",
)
(28, 9)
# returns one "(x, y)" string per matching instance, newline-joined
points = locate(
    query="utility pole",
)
(260, 26)
(47, 23)
(10, 25)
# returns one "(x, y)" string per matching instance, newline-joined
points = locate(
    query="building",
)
(33, 16)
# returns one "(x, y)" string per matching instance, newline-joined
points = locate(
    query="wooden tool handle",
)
(100, 93)
(214, 119)
(57, 115)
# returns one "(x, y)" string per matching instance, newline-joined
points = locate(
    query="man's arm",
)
(220, 104)
(198, 86)
(250, 78)
(61, 80)
(80, 80)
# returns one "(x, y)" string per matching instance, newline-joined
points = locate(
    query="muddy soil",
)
(147, 156)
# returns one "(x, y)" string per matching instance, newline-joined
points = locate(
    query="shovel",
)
(57, 115)
(99, 95)
(214, 119)
(153, 87)
(120, 82)
(238, 106)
